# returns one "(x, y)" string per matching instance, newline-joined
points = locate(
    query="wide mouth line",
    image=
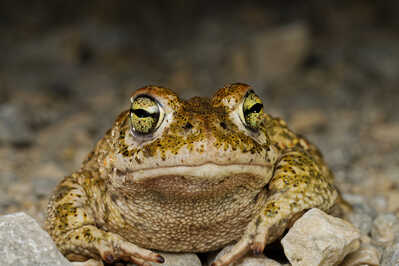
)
(193, 166)
(200, 172)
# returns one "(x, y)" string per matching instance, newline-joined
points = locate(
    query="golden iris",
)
(145, 114)
(252, 111)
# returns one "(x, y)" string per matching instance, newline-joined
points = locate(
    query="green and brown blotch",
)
(188, 176)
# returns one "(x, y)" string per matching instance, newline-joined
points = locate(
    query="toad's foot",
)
(73, 227)
(110, 247)
(255, 239)
(119, 249)
(261, 231)
(294, 188)
(90, 262)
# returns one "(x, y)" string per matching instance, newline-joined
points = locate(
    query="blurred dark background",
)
(67, 68)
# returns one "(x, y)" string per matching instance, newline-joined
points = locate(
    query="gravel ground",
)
(331, 71)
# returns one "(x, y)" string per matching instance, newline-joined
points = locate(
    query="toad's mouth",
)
(199, 179)
(209, 169)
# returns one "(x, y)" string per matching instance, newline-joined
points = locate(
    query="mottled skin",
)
(207, 173)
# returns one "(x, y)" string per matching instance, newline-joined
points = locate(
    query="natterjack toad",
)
(188, 176)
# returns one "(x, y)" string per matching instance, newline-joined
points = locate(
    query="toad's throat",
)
(200, 180)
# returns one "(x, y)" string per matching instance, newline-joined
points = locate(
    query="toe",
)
(257, 248)
(138, 261)
(90, 262)
(107, 253)
(238, 251)
(259, 241)
(138, 252)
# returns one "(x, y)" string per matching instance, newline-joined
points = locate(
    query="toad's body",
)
(188, 176)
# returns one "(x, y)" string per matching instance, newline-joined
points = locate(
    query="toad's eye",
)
(251, 111)
(146, 115)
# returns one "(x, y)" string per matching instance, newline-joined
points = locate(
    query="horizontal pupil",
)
(256, 108)
(142, 113)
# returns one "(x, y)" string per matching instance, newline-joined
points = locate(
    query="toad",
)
(188, 176)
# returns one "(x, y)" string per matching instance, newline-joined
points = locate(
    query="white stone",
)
(278, 52)
(365, 255)
(179, 259)
(390, 256)
(320, 239)
(248, 260)
(385, 228)
(24, 242)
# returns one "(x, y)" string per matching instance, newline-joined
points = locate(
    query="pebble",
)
(386, 133)
(46, 177)
(278, 52)
(380, 203)
(360, 204)
(320, 239)
(13, 127)
(365, 255)
(393, 201)
(305, 121)
(24, 242)
(390, 257)
(383, 50)
(180, 259)
(248, 260)
(385, 228)
(361, 221)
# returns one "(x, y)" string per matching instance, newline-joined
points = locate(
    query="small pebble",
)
(385, 228)
(248, 260)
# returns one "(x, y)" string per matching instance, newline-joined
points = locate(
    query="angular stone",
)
(248, 260)
(13, 127)
(278, 52)
(360, 204)
(365, 255)
(388, 133)
(320, 239)
(24, 242)
(361, 220)
(391, 255)
(179, 259)
(308, 120)
(385, 228)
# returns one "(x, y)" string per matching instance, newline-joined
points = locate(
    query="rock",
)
(379, 50)
(390, 257)
(380, 202)
(42, 187)
(248, 260)
(320, 239)
(365, 255)
(45, 178)
(72, 137)
(361, 220)
(24, 242)
(179, 259)
(305, 121)
(5, 200)
(258, 261)
(388, 133)
(359, 204)
(385, 228)
(13, 126)
(393, 201)
(278, 52)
